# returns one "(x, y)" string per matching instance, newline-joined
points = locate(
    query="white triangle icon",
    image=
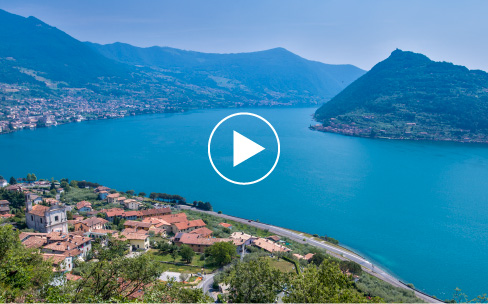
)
(244, 148)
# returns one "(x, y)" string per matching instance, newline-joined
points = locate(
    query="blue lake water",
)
(418, 209)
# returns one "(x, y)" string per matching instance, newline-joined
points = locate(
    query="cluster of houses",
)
(62, 240)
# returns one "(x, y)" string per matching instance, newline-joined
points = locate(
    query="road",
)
(206, 284)
(367, 265)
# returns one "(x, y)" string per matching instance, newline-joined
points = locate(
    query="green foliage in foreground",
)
(373, 286)
(221, 253)
(23, 272)
(256, 281)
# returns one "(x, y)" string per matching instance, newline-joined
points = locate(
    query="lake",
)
(418, 209)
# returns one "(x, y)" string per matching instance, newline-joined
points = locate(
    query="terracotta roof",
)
(226, 225)
(114, 213)
(204, 231)
(113, 195)
(196, 239)
(274, 238)
(35, 242)
(174, 218)
(308, 256)
(240, 238)
(3, 202)
(103, 231)
(39, 210)
(157, 222)
(132, 213)
(269, 245)
(7, 215)
(154, 212)
(56, 236)
(25, 235)
(190, 224)
(72, 277)
(137, 224)
(54, 257)
(90, 222)
(71, 243)
(134, 235)
(82, 204)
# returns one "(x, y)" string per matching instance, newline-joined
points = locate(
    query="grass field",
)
(195, 266)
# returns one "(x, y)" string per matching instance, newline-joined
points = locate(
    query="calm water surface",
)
(420, 210)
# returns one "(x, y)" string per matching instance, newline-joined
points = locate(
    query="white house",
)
(46, 219)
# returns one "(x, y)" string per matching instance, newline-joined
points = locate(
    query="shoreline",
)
(341, 252)
(319, 128)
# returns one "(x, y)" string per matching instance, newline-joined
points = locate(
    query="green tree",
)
(222, 252)
(255, 282)
(23, 272)
(12, 181)
(324, 284)
(142, 194)
(169, 292)
(174, 255)
(318, 258)
(187, 253)
(115, 280)
(73, 184)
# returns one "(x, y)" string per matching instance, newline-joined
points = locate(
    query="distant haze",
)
(355, 32)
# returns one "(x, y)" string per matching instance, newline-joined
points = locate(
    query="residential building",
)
(3, 182)
(46, 219)
(138, 225)
(187, 226)
(137, 240)
(112, 198)
(74, 245)
(84, 206)
(203, 232)
(63, 261)
(4, 207)
(132, 204)
(226, 225)
(269, 245)
(90, 224)
(197, 242)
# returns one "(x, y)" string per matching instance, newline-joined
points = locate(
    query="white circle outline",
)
(210, 154)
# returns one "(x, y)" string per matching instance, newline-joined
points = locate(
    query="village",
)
(65, 231)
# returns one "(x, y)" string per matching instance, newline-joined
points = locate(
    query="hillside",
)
(48, 52)
(275, 71)
(409, 96)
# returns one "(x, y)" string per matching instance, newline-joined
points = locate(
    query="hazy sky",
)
(357, 32)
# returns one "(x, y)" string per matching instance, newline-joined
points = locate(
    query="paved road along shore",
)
(296, 236)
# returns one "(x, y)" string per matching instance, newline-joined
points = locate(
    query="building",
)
(46, 219)
(226, 225)
(187, 226)
(102, 195)
(84, 206)
(156, 212)
(4, 207)
(3, 183)
(62, 261)
(269, 245)
(90, 224)
(196, 242)
(137, 240)
(112, 198)
(74, 245)
(138, 225)
(203, 232)
(132, 204)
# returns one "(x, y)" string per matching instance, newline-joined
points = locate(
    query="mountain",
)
(43, 61)
(42, 50)
(272, 71)
(409, 96)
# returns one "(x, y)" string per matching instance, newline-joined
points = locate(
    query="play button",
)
(244, 148)
(239, 159)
